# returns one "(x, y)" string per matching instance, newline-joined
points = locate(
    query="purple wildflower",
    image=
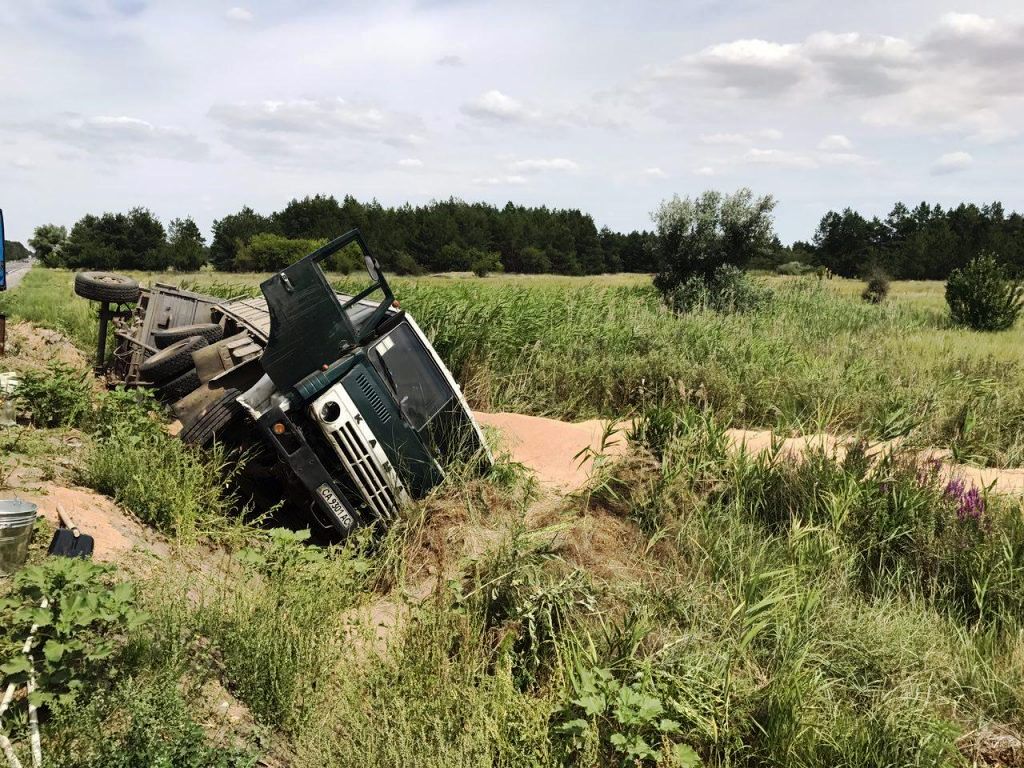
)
(954, 489)
(969, 502)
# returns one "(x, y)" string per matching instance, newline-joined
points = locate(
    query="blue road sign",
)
(3, 264)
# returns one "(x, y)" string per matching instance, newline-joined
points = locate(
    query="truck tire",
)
(164, 337)
(172, 361)
(216, 418)
(106, 287)
(178, 387)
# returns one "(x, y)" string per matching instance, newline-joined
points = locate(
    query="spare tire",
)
(106, 287)
(171, 362)
(214, 419)
(178, 387)
(164, 337)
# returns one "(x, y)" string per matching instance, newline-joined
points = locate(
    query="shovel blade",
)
(66, 544)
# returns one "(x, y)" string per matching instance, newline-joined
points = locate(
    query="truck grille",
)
(355, 455)
(360, 453)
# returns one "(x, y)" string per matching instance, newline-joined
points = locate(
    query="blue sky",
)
(196, 108)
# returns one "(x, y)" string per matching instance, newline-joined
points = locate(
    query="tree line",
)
(441, 236)
(15, 251)
(925, 242)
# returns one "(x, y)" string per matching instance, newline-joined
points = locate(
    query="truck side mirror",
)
(372, 267)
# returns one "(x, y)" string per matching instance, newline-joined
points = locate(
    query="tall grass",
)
(813, 356)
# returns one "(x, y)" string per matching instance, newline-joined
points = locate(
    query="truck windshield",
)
(421, 388)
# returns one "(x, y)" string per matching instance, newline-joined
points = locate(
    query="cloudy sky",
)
(197, 107)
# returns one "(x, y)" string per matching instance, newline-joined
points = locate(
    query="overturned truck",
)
(342, 403)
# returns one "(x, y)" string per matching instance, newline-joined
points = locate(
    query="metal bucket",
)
(17, 518)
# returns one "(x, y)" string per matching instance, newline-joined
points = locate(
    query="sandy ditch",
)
(548, 447)
(552, 449)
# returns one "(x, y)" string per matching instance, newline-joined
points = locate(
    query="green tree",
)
(981, 296)
(696, 237)
(233, 232)
(135, 240)
(47, 241)
(185, 244)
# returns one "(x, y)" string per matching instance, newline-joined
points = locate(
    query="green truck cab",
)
(360, 410)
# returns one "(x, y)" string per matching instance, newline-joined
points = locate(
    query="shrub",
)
(484, 262)
(266, 252)
(56, 397)
(728, 290)
(981, 296)
(794, 269)
(405, 264)
(877, 287)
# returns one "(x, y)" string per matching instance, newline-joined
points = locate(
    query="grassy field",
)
(816, 359)
(691, 606)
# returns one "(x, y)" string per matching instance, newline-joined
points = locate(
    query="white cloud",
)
(754, 67)
(541, 165)
(704, 170)
(410, 162)
(655, 173)
(239, 14)
(495, 105)
(835, 142)
(450, 60)
(271, 123)
(496, 181)
(779, 157)
(865, 65)
(740, 139)
(110, 135)
(951, 162)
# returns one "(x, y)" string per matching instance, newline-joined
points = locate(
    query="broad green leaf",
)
(16, 665)
(593, 704)
(684, 756)
(53, 651)
(668, 726)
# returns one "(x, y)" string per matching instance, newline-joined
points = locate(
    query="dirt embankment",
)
(31, 348)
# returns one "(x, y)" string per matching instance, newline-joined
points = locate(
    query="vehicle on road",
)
(343, 403)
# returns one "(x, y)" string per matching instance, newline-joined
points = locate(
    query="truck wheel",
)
(171, 362)
(177, 388)
(106, 287)
(216, 418)
(164, 337)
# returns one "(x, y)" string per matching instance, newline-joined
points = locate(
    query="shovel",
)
(69, 541)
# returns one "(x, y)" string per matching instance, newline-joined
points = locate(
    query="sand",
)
(551, 448)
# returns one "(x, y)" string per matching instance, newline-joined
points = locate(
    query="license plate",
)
(334, 504)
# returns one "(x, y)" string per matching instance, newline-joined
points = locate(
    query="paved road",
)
(16, 270)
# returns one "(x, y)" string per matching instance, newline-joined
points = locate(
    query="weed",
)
(78, 616)
(60, 396)
(529, 609)
(627, 720)
(142, 721)
(162, 481)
